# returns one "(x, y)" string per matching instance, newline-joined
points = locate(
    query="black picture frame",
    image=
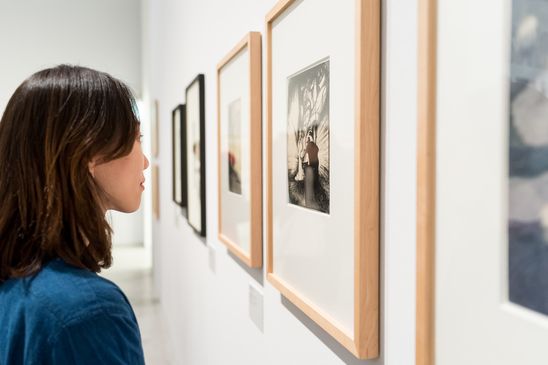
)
(196, 155)
(178, 130)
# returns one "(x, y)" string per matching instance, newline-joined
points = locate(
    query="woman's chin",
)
(127, 208)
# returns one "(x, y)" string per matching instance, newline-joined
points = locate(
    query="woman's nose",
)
(147, 163)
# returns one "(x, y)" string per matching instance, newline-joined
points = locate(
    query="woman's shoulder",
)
(62, 312)
(69, 293)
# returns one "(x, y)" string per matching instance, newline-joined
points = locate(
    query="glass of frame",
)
(323, 164)
(178, 129)
(239, 150)
(195, 154)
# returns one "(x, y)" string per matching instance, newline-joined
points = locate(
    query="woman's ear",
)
(91, 167)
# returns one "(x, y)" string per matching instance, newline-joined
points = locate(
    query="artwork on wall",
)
(308, 137)
(195, 155)
(155, 128)
(483, 205)
(234, 154)
(179, 184)
(528, 154)
(239, 150)
(155, 191)
(323, 165)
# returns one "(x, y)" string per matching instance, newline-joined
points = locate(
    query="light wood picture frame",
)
(196, 154)
(426, 183)
(480, 209)
(349, 217)
(239, 105)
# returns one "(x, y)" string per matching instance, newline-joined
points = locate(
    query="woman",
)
(69, 151)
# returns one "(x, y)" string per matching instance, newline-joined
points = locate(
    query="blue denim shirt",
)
(66, 315)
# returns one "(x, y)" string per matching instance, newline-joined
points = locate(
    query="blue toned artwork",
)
(528, 156)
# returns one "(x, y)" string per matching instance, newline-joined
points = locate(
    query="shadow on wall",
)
(346, 356)
(256, 274)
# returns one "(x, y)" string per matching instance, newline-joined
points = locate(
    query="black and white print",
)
(308, 137)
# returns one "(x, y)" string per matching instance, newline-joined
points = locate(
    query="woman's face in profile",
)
(122, 180)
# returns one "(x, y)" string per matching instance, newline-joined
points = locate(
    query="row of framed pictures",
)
(322, 150)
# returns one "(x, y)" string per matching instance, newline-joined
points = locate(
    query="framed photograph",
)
(483, 251)
(196, 155)
(239, 106)
(155, 192)
(155, 128)
(178, 116)
(323, 118)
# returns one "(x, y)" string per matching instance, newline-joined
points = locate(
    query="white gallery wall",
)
(102, 34)
(206, 292)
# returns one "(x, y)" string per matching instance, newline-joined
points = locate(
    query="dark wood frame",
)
(181, 108)
(200, 79)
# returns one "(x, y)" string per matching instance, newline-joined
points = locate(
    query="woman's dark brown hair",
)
(56, 122)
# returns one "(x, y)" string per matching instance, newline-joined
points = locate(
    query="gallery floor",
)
(135, 280)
